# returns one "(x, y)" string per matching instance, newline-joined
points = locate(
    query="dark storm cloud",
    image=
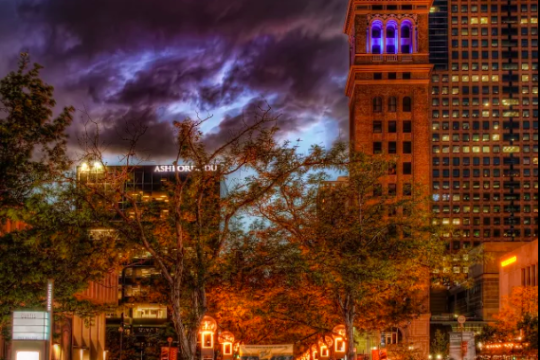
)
(124, 59)
(103, 25)
(153, 138)
(300, 64)
(184, 79)
(232, 123)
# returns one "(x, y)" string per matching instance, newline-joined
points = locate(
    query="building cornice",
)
(377, 68)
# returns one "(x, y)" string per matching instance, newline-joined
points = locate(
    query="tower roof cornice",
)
(357, 7)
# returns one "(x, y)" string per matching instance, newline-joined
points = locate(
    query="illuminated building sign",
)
(182, 168)
(31, 325)
(27, 355)
(509, 262)
(50, 289)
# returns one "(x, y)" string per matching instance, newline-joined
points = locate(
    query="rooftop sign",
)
(182, 168)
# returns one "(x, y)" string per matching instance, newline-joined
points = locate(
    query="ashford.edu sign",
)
(182, 168)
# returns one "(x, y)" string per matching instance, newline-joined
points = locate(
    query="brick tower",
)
(388, 87)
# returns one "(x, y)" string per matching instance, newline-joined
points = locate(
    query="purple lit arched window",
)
(406, 37)
(391, 37)
(376, 38)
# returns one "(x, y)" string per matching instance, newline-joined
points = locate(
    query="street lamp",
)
(325, 345)
(207, 331)
(95, 166)
(340, 337)
(121, 331)
(226, 339)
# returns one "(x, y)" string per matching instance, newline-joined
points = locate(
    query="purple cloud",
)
(153, 61)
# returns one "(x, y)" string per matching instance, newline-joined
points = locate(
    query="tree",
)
(440, 343)
(522, 303)
(264, 299)
(32, 141)
(519, 312)
(55, 243)
(188, 233)
(405, 352)
(370, 254)
(529, 325)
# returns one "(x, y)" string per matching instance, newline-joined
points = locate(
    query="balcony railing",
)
(390, 58)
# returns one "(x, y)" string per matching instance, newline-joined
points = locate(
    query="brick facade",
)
(388, 87)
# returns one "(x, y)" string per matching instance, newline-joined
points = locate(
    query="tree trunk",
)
(349, 315)
(186, 347)
(188, 336)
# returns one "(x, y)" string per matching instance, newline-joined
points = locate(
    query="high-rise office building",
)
(484, 112)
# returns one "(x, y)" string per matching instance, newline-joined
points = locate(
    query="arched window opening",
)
(407, 104)
(376, 38)
(377, 104)
(406, 32)
(392, 104)
(391, 37)
(390, 31)
(406, 37)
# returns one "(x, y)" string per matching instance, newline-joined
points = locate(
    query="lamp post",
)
(170, 340)
(207, 332)
(50, 310)
(226, 339)
(121, 331)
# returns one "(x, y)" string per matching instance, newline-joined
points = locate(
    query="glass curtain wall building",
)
(484, 112)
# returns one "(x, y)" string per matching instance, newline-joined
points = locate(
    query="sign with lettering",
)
(50, 295)
(146, 330)
(182, 168)
(31, 325)
(267, 352)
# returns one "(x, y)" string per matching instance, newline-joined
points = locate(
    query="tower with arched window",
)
(388, 87)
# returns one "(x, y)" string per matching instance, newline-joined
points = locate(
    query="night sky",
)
(153, 61)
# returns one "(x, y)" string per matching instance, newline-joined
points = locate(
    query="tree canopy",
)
(369, 252)
(188, 230)
(53, 239)
(32, 139)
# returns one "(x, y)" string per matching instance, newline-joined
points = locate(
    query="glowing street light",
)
(96, 166)
(207, 331)
(340, 338)
(226, 339)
